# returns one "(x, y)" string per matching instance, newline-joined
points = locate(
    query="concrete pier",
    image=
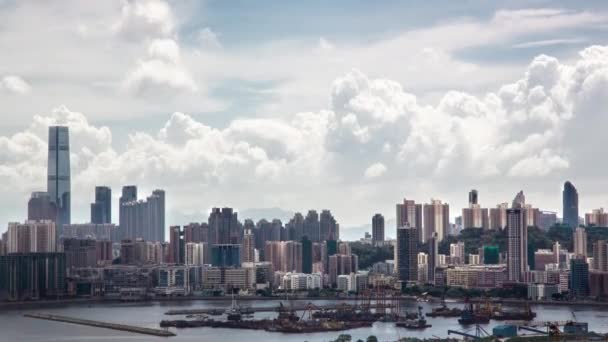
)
(98, 324)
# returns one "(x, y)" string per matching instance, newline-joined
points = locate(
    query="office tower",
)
(517, 241)
(579, 240)
(144, 219)
(79, 253)
(579, 277)
(406, 254)
(491, 255)
(31, 237)
(457, 253)
(432, 261)
(226, 255)
(436, 220)
(409, 214)
(58, 186)
(28, 276)
(311, 226)
(224, 227)
(498, 216)
(295, 227)
(597, 217)
(101, 209)
(41, 208)
(177, 246)
(473, 199)
(570, 205)
(196, 253)
(328, 227)
(377, 228)
(307, 258)
(600, 256)
(129, 194)
(248, 246)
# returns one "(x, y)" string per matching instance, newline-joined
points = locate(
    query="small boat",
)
(415, 324)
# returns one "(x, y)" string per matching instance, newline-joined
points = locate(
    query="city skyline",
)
(373, 124)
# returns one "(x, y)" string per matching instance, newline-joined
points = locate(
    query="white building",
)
(343, 281)
(300, 281)
(542, 291)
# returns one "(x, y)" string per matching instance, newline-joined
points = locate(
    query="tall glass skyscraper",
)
(58, 172)
(570, 202)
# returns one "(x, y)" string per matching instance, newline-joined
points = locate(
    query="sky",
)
(345, 105)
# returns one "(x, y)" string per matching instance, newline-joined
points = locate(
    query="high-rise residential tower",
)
(224, 227)
(101, 209)
(41, 208)
(432, 261)
(58, 173)
(248, 246)
(144, 219)
(129, 194)
(311, 226)
(517, 241)
(409, 213)
(406, 254)
(580, 242)
(328, 227)
(377, 228)
(570, 202)
(436, 220)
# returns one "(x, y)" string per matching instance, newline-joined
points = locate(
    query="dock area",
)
(300, 307)
(98, 324)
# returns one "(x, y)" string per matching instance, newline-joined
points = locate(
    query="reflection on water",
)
(13, 326)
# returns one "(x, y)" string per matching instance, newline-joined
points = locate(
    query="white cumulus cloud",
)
(15, 85)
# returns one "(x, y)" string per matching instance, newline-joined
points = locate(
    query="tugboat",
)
(469, 316)
(233, 313)
(415, 324)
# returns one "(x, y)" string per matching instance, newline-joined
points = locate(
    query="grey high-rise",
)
(473, 197)
(58, 172)
(101, 209)
(224, 227)
(377, 228)
(129, 194)
(406, 254)
(143, 219)
(570, 201)
(517, 241)
(40, 207)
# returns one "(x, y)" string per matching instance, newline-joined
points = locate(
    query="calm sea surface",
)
(15, 327)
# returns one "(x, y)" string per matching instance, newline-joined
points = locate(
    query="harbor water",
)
(15, 327)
